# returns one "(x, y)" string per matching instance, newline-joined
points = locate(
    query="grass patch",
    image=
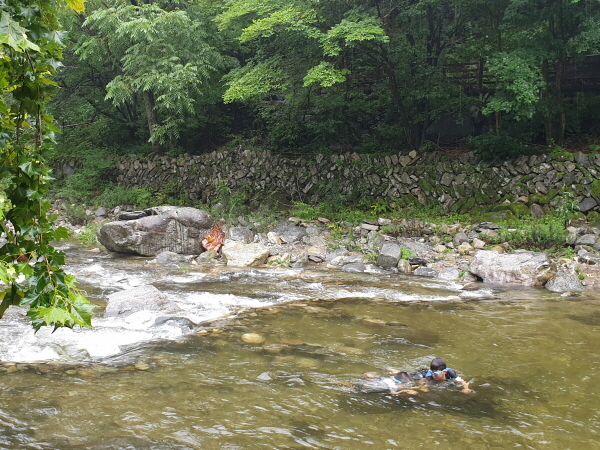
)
(88, 234)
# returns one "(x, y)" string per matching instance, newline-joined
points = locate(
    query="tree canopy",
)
(306, 75)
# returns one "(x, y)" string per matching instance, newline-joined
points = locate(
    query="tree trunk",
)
(545, 96)
(149, 104)
(560, 103)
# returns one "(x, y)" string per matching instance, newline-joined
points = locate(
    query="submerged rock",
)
(141, 298)
(252, 338)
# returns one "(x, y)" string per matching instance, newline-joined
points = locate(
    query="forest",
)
(88, 81)
(300, 76)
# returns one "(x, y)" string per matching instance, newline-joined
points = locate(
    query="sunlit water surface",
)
(532, 356)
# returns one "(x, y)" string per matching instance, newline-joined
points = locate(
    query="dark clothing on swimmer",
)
(450, 374)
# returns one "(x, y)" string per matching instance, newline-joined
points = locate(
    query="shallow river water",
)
(532, 356)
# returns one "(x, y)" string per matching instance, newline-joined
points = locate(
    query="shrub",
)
(496, 146)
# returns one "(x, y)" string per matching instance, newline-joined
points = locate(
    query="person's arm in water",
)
(465, 386)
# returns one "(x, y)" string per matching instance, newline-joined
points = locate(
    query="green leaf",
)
(61, 233)
(325, 75)
(14, 35)
(76, 5)
(53, 315)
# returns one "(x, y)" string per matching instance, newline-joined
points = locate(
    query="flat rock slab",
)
(243, 255)
(521, 267)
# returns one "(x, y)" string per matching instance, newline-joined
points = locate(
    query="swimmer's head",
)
(402, 377)
(437, 364)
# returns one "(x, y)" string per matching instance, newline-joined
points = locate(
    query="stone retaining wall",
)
(460, 183)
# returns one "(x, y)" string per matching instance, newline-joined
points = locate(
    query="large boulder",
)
(140, 298)
(175, 229)
(521, 267)
(240, 254)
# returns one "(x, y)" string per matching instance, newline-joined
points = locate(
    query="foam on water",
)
(202, 293)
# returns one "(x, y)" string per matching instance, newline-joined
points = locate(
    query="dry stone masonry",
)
(460, 184)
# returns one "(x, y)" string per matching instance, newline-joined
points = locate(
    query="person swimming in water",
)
(438, 372)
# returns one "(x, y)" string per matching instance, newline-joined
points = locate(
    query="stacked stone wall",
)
(459, 183)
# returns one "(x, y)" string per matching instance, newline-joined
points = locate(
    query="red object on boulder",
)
(214, 239)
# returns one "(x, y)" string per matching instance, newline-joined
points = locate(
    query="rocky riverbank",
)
(468, 253)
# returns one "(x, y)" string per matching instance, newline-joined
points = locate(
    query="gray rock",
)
(131, 215)
(488, 226)
(181, 230)
(469, 278)
(141, 298)
(241, 234)
(449, 273)
(290, 233)
(100, 212)
(170, 258)
(564, 282)
(536, 211)
(583, 159)
(417, 261)
(389, 255)
(417, 248)
(587, 204)
(354, 268)
(425, 272)
(243, 255)
(521, 267)
(589, 258)
(299, 259)
(460, 237)
(339, 252)
(586, 239)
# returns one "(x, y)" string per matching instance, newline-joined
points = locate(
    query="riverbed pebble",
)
(252, 338)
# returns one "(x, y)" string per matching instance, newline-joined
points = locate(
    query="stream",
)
(137, 383)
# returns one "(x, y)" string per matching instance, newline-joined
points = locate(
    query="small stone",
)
(140, 365)
(273, 238)
(440, 248)
(370, 321)
(369, 227)
(292, 342)
(498, 248)
(478, 243)
(264, 377)
(252, 338)
(324, 220)
(425, 272)
(465, 248)
(383, 222)
(404, 266)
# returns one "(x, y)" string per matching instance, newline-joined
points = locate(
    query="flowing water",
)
(532, 356)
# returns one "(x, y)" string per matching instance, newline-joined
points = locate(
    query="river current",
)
(531, 356)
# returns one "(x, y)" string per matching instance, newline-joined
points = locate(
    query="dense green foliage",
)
(30, 268)
(370, 76)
